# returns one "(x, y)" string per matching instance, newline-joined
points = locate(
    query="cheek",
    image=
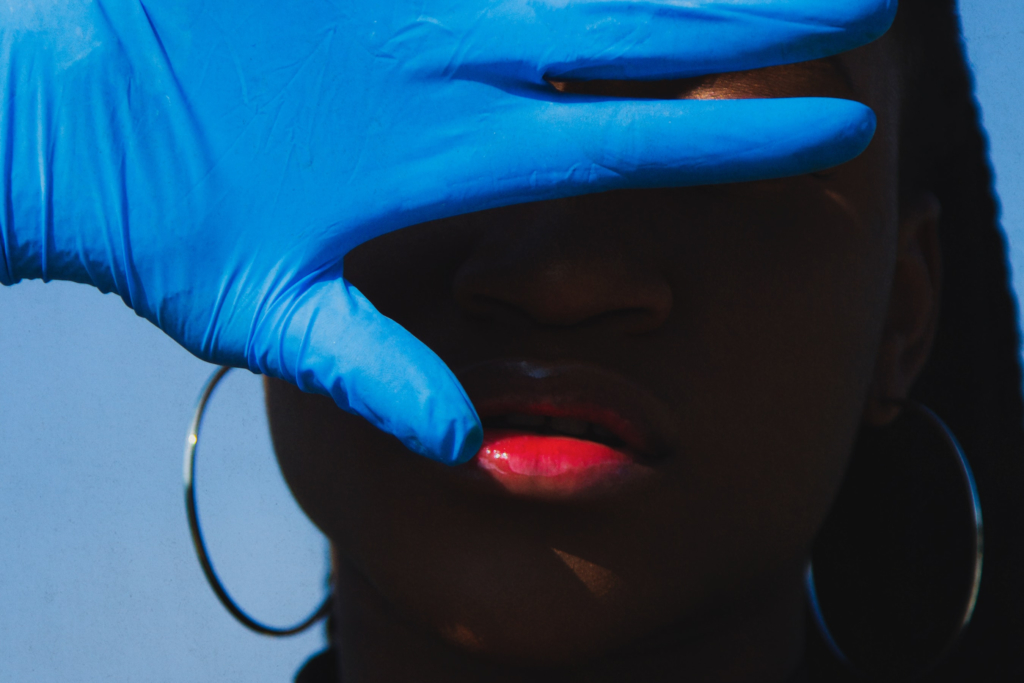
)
(310, 446)
(780, 303)
(353, 481)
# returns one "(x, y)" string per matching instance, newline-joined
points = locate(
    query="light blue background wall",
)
(97, 578)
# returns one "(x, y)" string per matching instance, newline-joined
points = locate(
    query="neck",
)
(759, 640)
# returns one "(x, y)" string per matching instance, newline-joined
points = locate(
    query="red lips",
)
(532, 455)
(562, 432)
(552, 467)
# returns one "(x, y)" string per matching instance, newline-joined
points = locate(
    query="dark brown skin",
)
(770, 320)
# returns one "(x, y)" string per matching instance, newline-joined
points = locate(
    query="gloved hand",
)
(212, 161)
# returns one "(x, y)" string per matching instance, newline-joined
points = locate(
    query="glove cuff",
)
(6, 276)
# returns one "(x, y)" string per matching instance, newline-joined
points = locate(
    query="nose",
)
(588, 260)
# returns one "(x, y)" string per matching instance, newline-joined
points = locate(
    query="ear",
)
(913, 309)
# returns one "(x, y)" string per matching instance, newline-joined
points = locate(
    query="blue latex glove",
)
(212, 161)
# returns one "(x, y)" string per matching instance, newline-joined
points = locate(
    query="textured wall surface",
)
(98, 581)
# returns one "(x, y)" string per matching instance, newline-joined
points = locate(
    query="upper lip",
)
(574, 390)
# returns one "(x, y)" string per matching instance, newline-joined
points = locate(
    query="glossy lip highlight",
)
(554, 466)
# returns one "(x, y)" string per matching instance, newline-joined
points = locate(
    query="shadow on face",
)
(747, 320)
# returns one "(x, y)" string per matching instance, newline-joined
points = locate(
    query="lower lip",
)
(553, 467)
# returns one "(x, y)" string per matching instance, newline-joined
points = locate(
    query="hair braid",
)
(973, 376)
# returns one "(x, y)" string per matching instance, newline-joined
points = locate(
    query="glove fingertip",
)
(472, 440)
(452, 435)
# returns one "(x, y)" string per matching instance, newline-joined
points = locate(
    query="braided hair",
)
(973, 377)
(972, 380)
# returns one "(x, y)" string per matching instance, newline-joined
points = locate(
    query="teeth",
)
(533, 421)
(568, 425)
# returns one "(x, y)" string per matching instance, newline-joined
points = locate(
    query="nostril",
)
(478, 306)
(589, 260)
(623, 296)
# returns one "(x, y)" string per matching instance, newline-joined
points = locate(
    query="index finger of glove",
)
(659, 39)
(326, 337)
(549, 150)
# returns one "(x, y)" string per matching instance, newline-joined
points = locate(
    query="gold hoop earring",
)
(191, 446)
(968, 567)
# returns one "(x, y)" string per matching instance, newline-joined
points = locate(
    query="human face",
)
(741, 329)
